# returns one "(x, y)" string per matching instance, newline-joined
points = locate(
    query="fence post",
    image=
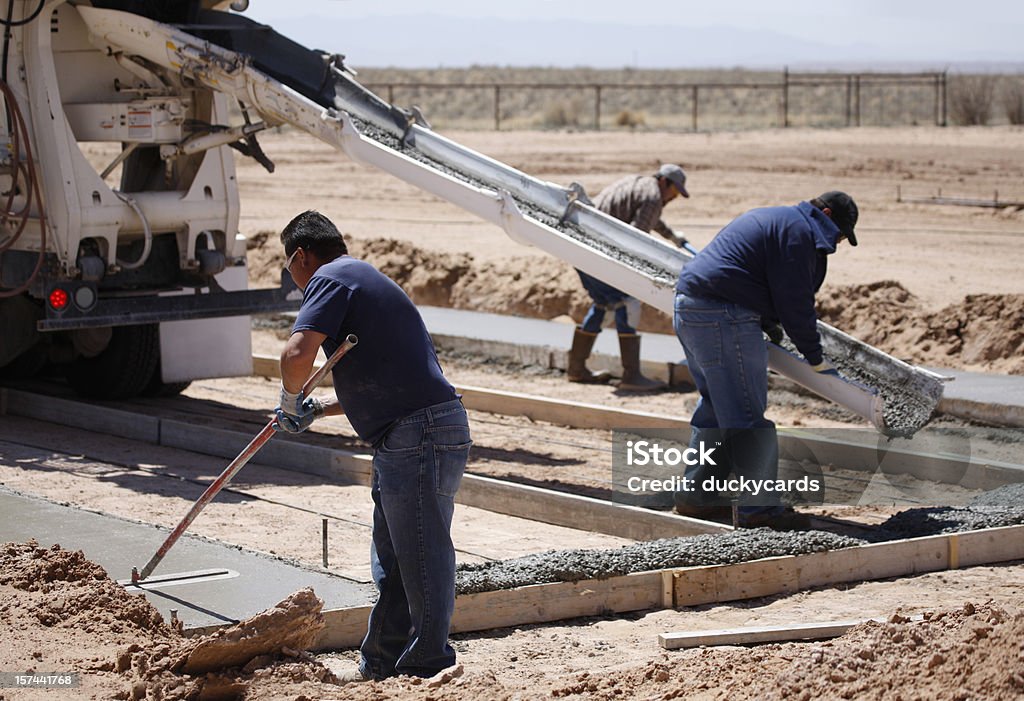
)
(597, 107)
(945, 97)
(785, 97)
(391, 94)
(497, 108)
(696, 102)
(856, 93)
(849, 96)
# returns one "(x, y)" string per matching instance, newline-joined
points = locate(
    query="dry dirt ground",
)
(919, 277)
(934, 284)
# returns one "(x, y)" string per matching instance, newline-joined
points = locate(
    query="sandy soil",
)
(65, 615)
(932, 284)
(61, 613)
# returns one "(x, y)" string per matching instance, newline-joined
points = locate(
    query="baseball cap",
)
(676, 176)
(844, 212)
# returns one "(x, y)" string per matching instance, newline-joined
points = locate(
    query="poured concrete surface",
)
(118, 545)
(987, 397)
(992, 398)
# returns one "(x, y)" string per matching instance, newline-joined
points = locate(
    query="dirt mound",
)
(76, 592)
(62, 612)
(970, 653)
(985, 332)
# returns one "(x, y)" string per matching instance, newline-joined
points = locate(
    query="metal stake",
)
(323, 524)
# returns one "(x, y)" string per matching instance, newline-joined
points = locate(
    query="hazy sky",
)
(948, 31)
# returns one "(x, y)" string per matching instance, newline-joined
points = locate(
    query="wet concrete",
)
(661, 274)
(693, 551)
(254, 581)
(905, 412)
(1000, 507)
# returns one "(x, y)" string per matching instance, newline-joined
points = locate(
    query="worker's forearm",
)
(297, 360)
(295, 370)
(332, 407)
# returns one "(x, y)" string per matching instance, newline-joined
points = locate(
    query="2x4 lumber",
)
(66, 412)
(794, 444)
(801, 444)
(574, 511)
(498, 496)
(557, 411)
(784, 575)
(999, 414)
(750, 635)
(539, 603)
(693, 586)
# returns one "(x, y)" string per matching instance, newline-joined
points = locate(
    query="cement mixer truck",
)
(132, 273)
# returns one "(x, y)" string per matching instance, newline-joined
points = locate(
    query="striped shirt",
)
(636, 200)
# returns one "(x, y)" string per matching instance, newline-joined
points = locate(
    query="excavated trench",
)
(1000, 507)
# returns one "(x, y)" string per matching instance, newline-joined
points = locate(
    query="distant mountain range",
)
(425, 41)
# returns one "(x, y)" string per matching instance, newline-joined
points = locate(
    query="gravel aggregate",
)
(1000, 507)
(576, 565)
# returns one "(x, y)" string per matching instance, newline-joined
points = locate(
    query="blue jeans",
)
(417, 469)
(728, 358)
(605, 297)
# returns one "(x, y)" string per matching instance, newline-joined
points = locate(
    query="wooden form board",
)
(557, 411)
(999, 414)
(757, 634)
(692, 586)
(794, 444)
(291, 452)
(540, 603)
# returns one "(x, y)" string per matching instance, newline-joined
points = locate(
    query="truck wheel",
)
(159, 388)
(124, 369)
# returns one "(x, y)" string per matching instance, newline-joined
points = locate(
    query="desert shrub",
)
(1013, 99)
(970, 99)
(564, 113)
(630, 119)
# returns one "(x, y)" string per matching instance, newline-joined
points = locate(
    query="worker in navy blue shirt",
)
(393, 391)
(758, 275)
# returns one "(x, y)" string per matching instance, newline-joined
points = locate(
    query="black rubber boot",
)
(582, 344)
(632, 379)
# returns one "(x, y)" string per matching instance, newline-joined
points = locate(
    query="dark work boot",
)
(582, 344)
(632, 379)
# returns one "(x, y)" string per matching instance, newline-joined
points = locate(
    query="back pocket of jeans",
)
(450, 464)
(704, 340)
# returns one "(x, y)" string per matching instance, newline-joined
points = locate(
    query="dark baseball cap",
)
(675, 175)
(844, 212)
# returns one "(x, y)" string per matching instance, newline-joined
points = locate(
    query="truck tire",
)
(158, 388)
(124, 369)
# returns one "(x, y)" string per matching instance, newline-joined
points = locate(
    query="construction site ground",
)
(62, 618)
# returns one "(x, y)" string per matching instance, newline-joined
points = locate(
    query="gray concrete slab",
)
(253, 582)
(1007, 390)
(984, 396)
(656, 347)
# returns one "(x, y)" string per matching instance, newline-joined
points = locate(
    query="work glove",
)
(682, 242)
(773, 330)
(296, 413)
(825, 368)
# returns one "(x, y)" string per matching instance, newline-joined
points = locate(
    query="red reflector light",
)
(58, 299)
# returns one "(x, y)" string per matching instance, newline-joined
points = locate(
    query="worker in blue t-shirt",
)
(759, 274)
(395, 395)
